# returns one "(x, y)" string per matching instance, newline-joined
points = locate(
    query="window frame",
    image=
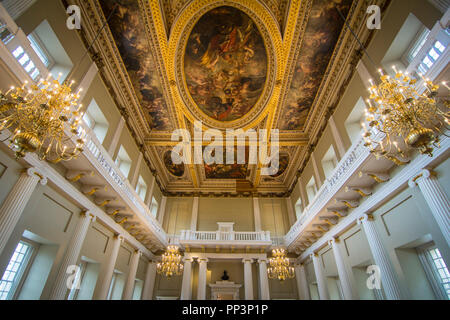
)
(24, 268)
(430, 271)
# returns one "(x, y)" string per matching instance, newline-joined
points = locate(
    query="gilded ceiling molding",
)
(297, 12)
(156, 32)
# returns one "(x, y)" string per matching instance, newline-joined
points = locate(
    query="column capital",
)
(314, 255)
(247, 260)
(424, 174)
(89, 215)
(34, 172)
(138, 252)
(119, 237)
(263, 260)
(333, 241)
(364, 218)
(203, 260)
(299, 265)
(188, 259)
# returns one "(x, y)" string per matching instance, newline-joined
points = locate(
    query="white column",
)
(389, 278)
(302, 283)
(291, 211)
(115, 140)
(320, 278)
(135, 175)
(162, 210)
(149, 283)
(437, 200)
(105, 277)
(127, 293)
(257, 214)
(61, 285)
(14, 204)
(202, 273)
(186, 288)
(344, 271)
(337, 137)
(248, 279)
(263, 279)
(194, 215)
(317, 178)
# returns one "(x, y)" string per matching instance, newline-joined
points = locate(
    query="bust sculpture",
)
(225, 276)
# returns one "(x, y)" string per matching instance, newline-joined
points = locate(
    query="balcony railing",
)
(347, 167)
(221, 236)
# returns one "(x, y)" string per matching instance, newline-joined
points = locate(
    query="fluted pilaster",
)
(263, 279)
(149, 283)
(186, 288)
(302, 283)
(105, 277)
(437, 200)
(344, 271)
(389, 278)
(202, 269)
(70, 257)
(320, 278)
(248, 279)
(131, 278)
(14, 204)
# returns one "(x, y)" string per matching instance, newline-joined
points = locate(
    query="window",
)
(15, 270)
(5, 34)
(141, 188)
(112, 285)
(421, 39)
(432, 56)
(329, 162)
(354, 121)
(77, 281)
(123, 161)
(154, 207)
(311, 189)
(436, 270)
(298, 207)
(440, 269)
(38, 47)
(44, 41)
(24, 59)
(95, 119)
(137, 291)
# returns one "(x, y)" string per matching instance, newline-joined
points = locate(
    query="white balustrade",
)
(223, 236)
(343, 171)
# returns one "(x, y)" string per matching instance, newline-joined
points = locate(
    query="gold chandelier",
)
(38, 115)
(170, 264)
(279, 267)
(406, 117)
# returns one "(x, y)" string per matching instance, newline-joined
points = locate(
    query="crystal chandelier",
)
(279, 266)
(170, 262)
(405, 116)
(38, 115)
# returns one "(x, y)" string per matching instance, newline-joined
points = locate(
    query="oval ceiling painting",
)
(225, 64)
(176, 170)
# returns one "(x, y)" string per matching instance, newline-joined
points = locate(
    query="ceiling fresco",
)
(176, 170)
(258, 64)
(319, 40)
(128, 31)
(225, 64)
